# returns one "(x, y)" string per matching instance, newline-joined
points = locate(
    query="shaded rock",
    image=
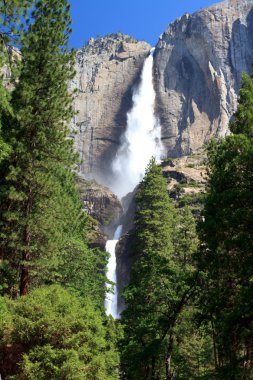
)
(100, 203)
(96, 237)
(129, 207)
(125, 260)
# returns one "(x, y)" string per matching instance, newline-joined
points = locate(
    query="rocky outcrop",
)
(186, 169)
(197, 69)
(13, 56)
(186, 177)
(107, 70)
(100, 203)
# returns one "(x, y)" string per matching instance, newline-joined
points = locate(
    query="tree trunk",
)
(24, 280)
(153, 375)
(169, 373)
(214, 347)
(24, 275)
(171, 327)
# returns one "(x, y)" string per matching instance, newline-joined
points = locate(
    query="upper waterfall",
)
(142, 138)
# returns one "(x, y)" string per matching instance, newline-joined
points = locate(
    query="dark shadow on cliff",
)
(124, 252)
(189, 76)
(241, 49)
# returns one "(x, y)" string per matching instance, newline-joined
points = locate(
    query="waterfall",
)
(141, 141)
(142, 138)
(111, 298)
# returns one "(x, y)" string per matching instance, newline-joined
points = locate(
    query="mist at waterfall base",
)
(140, 142)
(142, 138)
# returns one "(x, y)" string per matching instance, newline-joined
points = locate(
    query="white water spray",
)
(111, 298)
(140, 142)
(142, 138)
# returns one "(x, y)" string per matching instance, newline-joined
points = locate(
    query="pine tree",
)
(11, 28)
(161, 282)
(37, 173)
(13, 13)
(185, 237)
(226, 257)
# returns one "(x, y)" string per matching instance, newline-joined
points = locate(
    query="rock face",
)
(197, 71)
(107, 69)
(125, 261)
(14, 55)
(100, 203)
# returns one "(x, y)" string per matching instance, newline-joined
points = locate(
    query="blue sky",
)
(142, 19)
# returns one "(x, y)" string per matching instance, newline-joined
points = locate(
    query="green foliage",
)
(5, 318)
(226, 257)
(37, 199)
(193, 353)
(162, 280)
(243, 118)
(185, 239)
(13, 13)
(58, 337)
(193, 200)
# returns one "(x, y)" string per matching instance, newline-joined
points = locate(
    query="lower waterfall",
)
(141, 141)
(111, 298)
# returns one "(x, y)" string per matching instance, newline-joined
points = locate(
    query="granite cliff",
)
(197, 69)
(107, 69)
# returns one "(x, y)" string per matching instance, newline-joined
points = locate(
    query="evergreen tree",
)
(36, 177)
(226, 257)
(11, 27)
(185, 237)
(161, 282)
